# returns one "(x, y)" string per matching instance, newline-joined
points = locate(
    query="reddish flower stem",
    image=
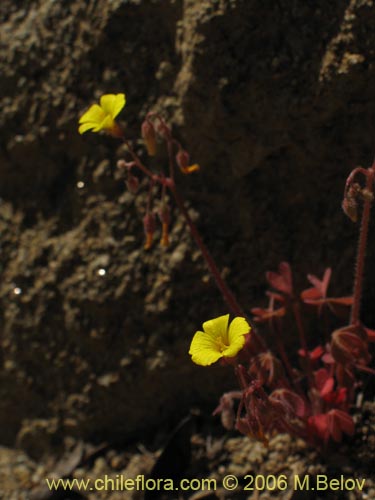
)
(303, 341)
(223, 287)
(220, 282)
(277, 338)
(362, 244)
(137, 161)
(170, 155)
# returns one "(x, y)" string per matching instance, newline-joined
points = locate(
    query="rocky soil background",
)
(276, 103)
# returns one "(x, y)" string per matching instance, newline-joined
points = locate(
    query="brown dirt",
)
(276, 104)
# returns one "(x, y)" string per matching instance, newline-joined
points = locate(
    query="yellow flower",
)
(218, 340)
(102, 117)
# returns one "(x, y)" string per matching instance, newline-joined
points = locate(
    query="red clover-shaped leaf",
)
(282, 280)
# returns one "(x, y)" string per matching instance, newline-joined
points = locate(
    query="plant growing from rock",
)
(308, 391)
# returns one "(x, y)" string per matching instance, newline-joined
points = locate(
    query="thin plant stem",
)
(149, 196)
(277, 338)
(162, 199)
(220, 282)
(223, 287)
(170, 155)
(303, 341)
(137, 161)
(362, 244)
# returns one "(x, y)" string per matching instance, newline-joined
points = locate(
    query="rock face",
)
(277, 106)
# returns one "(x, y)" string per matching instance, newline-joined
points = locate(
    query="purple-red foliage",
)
(313, 400)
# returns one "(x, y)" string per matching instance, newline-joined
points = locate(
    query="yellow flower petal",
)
(237, 329)
(112, 104)
(95, 114)
(217, 327)
(204, 350)
(217, 340)
(234, 348)
(102, 117)
(84, 127)
(119, 104)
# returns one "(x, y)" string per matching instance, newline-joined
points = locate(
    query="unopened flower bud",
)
(164, 241)
(350, 208)
(149, 228)
(350, 202)
(182, 160)
(165, 218)
(148, 135)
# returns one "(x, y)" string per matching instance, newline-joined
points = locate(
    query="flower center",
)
(221, 344)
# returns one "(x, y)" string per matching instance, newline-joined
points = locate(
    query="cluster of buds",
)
(152, 129)
(150, 133)
(149, 225)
